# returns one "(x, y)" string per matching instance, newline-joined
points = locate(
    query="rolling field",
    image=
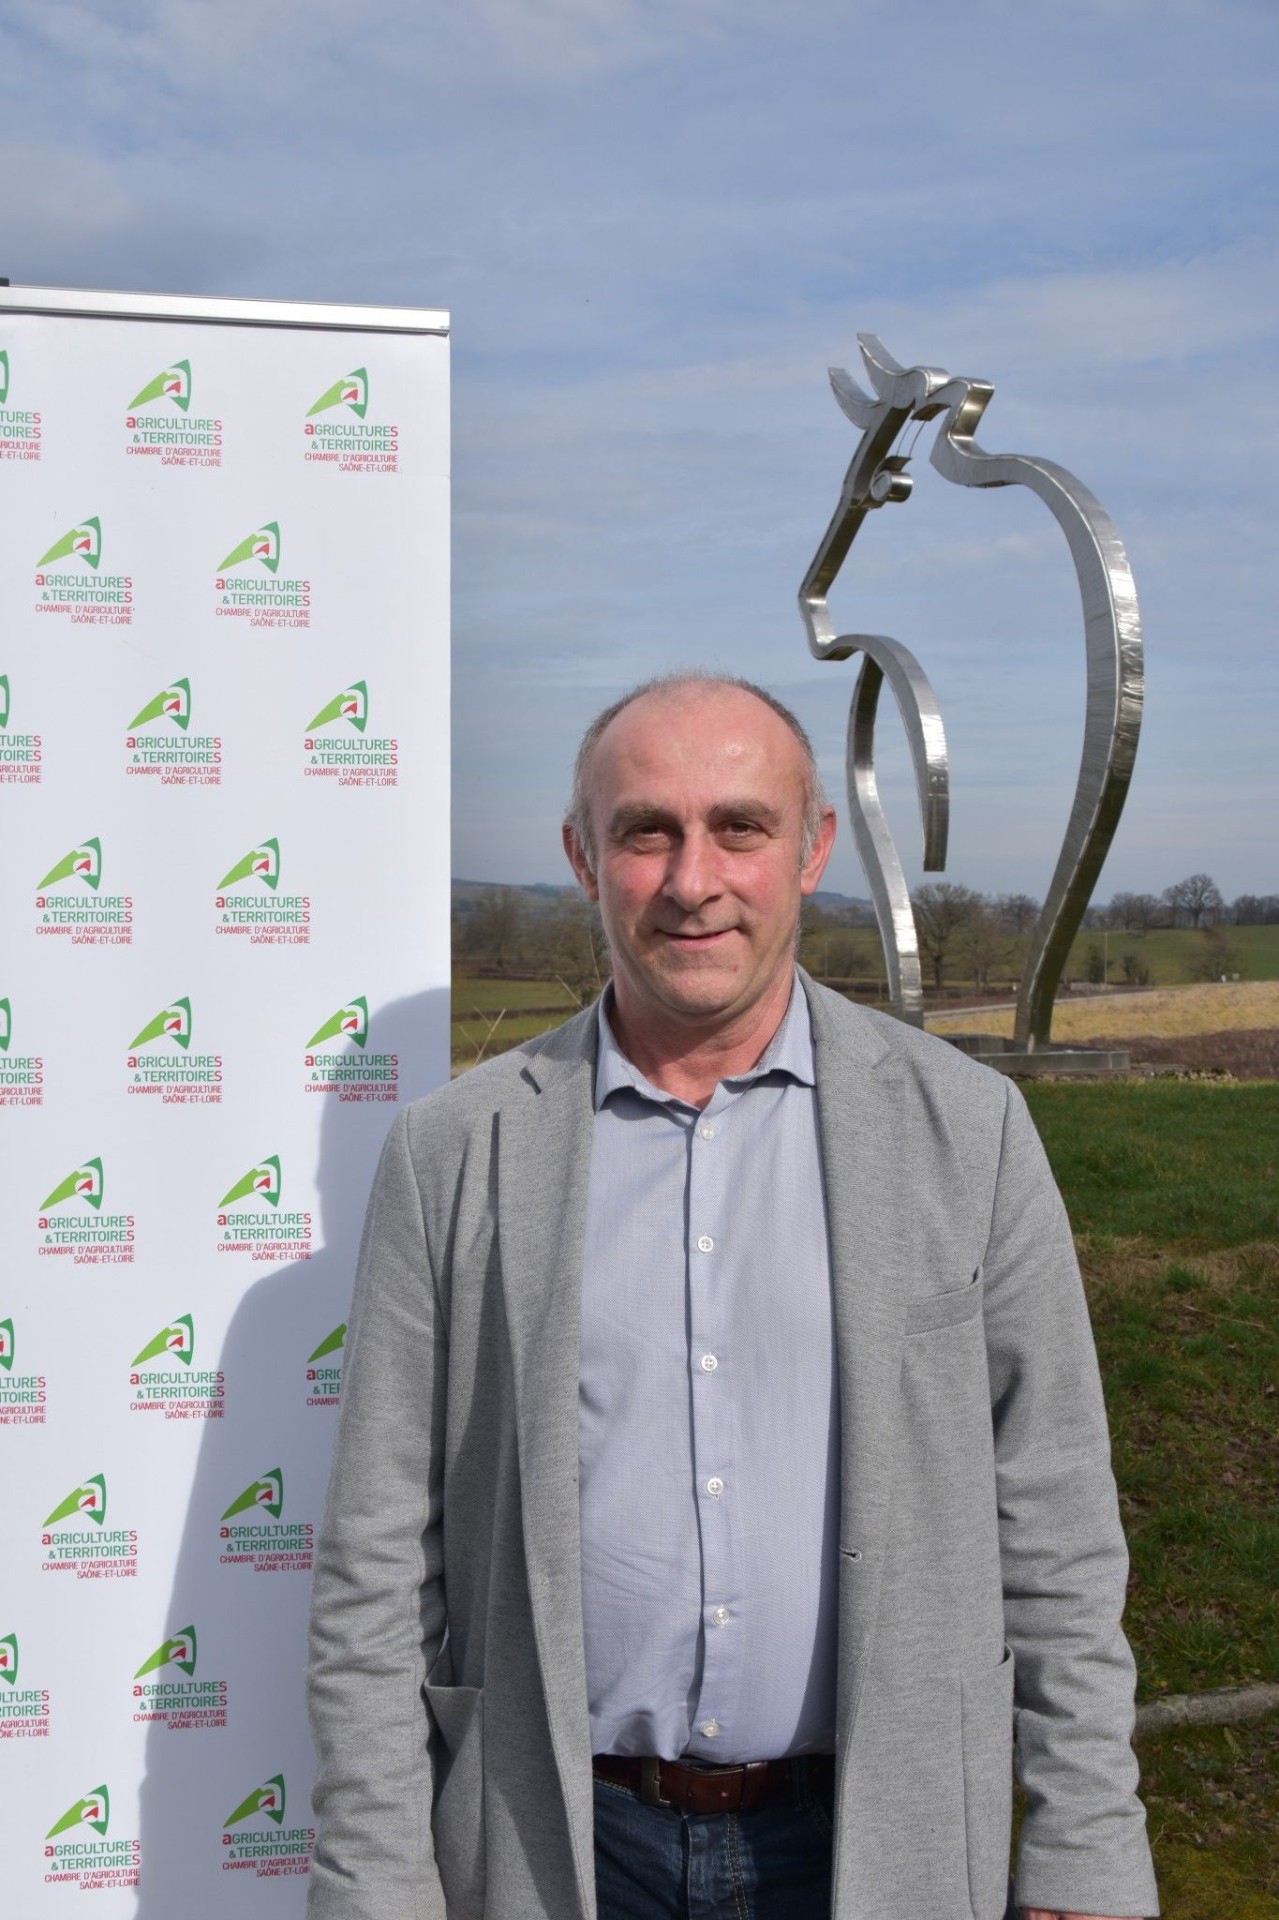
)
(1171, 1013)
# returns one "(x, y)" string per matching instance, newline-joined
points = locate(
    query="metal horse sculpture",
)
(1112, 635)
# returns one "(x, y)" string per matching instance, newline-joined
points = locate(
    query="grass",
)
(1212, 1797)
(1189, 1354)
(1169, 1161)
(1168, 1012)
(1173, 953)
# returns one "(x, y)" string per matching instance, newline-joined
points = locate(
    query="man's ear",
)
(577, 859)
(813, 868)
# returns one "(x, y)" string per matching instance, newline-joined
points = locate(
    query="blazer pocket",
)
(945, 1309)
(457, 1816)
(987, 1707)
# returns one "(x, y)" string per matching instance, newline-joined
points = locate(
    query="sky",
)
(656, 225)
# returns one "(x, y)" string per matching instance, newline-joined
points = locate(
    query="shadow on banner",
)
(225, 1811)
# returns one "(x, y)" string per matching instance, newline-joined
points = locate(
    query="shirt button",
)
(705, 1244)
(707, 1133)
(710, 1728)
(709, 1363)
(721, 1616)
(714, 1486)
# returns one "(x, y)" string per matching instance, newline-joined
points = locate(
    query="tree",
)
(1196, 895)
(1135, 911)
(986, 943)
(1017, 911)
(1255, 910)
(941, 911)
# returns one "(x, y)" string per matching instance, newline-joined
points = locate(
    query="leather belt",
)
(708, 1789)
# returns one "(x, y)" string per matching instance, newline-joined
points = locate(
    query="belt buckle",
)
(651, 1784)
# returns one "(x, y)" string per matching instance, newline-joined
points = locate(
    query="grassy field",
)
(1173, 953)
(1170, 1013)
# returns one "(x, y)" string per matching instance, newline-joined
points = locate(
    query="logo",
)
(266, 1800)
(78, 543)
(89, 1499)
(9, 1659)
(171, 703)
(259, 1183)
(172, 383)
(176, 1342)
(178, 1651)
(4, 699)
(24, 1711)
(332, 1343)
(324, 1384)
(352, 705)
(82, 863)
(20, 753)
(181, 1392)
(259, 863)
(338, 434)
(171, 1023)
(83, 1183)
(104, 1240)
(262, 545)
(6, 1025)
(265, 1495)
(348, 1023)
(20, 428)
(351, 391)
(93, 1811)
(4, 375)
(22, 1395)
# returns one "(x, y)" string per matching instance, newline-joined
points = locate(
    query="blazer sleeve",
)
(1064, 1561)
(377, 1610)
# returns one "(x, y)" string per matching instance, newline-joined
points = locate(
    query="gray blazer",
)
(982, 1564)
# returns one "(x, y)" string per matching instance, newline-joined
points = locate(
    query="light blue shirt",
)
(709, 1414)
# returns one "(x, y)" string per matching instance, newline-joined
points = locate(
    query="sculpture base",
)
(1007, 1057)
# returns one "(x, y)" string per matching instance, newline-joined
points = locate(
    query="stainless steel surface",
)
(259, 313)
(877, 477)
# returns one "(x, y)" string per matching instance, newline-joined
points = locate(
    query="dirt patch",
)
(1245, 1053)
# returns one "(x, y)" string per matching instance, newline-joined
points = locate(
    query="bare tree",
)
(1017, 911)
(986, 943)
(1196, 895)
(941, 911)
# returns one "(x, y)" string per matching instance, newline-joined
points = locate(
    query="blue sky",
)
(656, 225)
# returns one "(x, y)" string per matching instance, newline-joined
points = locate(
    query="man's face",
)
(697, 800)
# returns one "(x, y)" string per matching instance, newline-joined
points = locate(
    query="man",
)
(723, 1463)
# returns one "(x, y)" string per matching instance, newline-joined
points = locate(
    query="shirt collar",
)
(789, 1052)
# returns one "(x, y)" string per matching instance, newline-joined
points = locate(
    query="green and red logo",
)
(266, 1801)
(262, 545)
(83, 1183)
(350, 1022)
(83, 542)
(83, 863)
(171, 703)
(259, 1183)
(265, 1495)
(261, 863)
(351, 705)
(4, 375)
(4, 699)
(171, 383)
(331, 1343)
(9, 1659)
(93, 1811)
(6, 1025)
(171, 1023)
(352, 391)
(174, 1342)
(89, 1500)
(177, 1651)
(6, 1345)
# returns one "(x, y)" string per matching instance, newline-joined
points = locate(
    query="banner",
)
(224, 877)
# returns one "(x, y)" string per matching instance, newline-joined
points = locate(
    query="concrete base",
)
(1007, 1057)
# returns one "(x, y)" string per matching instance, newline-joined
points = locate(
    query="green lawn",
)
(1171, 953)
(1183, 1163)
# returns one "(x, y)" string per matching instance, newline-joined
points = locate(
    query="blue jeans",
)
(773, 1863)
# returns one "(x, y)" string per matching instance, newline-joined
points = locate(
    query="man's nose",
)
(691, 877)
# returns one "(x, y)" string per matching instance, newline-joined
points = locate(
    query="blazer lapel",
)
(860, 1108)
(544, 1149)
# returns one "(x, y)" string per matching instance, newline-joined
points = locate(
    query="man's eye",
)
(742, 829)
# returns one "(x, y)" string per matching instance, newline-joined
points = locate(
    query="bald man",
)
(722, 1469)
